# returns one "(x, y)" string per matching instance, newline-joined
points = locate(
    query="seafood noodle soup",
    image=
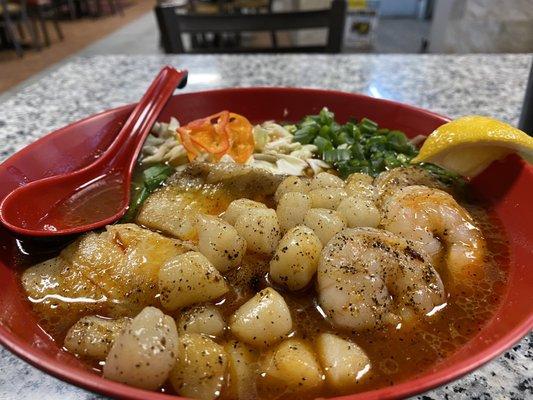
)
(278, 260)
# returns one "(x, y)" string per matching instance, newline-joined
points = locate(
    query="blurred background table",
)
(452, 85)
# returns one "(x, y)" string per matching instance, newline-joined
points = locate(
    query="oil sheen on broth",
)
(396, 353)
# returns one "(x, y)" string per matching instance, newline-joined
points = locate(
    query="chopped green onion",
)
(306, 134)
(344, 138)
(152, 178)
(444, 175)
(322, 144)
(155, 175)
(360, 146)
(336, 155)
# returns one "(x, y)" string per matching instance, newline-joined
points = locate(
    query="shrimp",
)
(388, 182)
(438, 225)
(368, 278)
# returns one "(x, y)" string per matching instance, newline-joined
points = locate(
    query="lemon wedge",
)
(469, 144)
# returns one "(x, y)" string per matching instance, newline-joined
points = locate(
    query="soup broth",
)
(396, 353)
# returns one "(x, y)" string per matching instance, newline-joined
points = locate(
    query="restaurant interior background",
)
(39, 35)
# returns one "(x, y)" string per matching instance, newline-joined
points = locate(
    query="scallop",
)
(292, 367)
(359, 212)
(296, 258)
(291, 209)
(93, 336)
(360, 185)
(260, 228)
(262, 320)
(325, 223)
(243, 371)
(344, 362)
(204, 318)
(292, 184)
(326, 180)
(327, 197)
(188, 279)
(219, 242)
(145, 352)
(200, 367)
(237, 207)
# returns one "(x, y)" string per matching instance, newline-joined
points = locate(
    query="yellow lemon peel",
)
(469, 144)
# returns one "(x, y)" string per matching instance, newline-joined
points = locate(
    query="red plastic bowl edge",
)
(98, 384)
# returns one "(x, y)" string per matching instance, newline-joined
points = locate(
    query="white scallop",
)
(260, 228)
(360, 185)
(93, 336)
(188, 279)
(292, 367)
(200, 367)
(144, 353)
(203, 318)
(344, 362)
(237, 207)
(242, 370)
(262, 320)
(292, 184)
(296, 259)
(326, 180)
(327, 197)
(291, 209)
(220, 242)
(326, 223)
(359, 212)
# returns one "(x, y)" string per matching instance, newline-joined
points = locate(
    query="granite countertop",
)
(451, 85)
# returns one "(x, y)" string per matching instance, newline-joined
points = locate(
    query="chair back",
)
(173, 23)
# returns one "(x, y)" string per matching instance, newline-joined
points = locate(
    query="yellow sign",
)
(357, 3)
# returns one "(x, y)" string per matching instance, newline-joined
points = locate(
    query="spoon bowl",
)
(99, 193)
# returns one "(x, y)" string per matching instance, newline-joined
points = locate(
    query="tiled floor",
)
(78, 34)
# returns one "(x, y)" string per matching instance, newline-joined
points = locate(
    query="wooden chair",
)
(256, 6)
(205, 7)
(71, 5)
(172, 24)
(41, 11)
(15, 15)
(214, 7)
(115, 6)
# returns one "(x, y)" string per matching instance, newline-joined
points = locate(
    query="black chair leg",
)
(11, 35)
(35, 29)
(195, 43)
(118, 6)
(274, 39)
(44, 28)
(36, 42)
(72, 9)
(98, 8)
(22, 34)
(55, 21)
(112, 6)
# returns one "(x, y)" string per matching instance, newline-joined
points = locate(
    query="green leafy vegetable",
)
(151, 178)
(355, 146)
(445, 176)
(154, 176)
(361, 146)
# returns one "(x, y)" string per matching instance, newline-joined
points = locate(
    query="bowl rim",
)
(96, 383)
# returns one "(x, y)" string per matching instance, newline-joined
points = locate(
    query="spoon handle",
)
(132, 135)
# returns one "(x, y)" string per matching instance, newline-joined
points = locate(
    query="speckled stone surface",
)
(450, 85)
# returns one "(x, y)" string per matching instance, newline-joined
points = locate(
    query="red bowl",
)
(506, 185)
